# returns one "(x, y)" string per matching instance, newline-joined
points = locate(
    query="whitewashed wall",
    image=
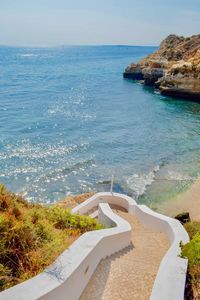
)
(69, 275)
(170, 280)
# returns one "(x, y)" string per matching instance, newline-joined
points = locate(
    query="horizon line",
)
(73, 45)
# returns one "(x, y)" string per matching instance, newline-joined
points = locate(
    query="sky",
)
(95, 22)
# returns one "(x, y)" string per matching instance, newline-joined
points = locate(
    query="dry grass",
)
(32, 236)
(74, 200)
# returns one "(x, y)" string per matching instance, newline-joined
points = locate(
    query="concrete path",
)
(129, 274)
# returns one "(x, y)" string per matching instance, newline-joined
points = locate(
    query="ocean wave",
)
(71, 169)
(28, 55)
(59, 182)
(138, 183)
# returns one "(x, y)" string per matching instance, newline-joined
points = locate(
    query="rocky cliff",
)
(174, 68)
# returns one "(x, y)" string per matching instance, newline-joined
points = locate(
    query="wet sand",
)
(188, 201)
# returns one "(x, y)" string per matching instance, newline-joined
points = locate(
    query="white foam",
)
(138, 182)
(28, 55)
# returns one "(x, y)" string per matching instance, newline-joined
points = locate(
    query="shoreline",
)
(188, 201)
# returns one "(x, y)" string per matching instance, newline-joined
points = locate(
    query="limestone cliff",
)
(174, 68)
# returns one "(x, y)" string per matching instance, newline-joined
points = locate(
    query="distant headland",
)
(174, 68)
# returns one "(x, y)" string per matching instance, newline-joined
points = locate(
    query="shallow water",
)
(68, 121)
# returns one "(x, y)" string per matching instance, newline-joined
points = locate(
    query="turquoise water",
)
(68, 121)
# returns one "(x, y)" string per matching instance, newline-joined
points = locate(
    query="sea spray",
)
(138, 183)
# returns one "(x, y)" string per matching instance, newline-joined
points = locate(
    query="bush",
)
(192, 228)
(32, 236)
(192, 251)
(62, 218)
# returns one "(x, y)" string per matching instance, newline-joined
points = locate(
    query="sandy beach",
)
(188, 201)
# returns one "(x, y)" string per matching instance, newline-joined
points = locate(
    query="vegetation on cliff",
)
(32, 236)
(192, 251)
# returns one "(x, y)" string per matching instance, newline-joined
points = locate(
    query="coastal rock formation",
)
(183, 217)
(174, 68)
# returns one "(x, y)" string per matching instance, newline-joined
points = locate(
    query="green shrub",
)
(191, 250)
(62, 218)
(32, 236)
(192, 228)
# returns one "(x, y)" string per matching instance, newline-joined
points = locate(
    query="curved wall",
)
(69, 275)
(170, 279)
(111, 198)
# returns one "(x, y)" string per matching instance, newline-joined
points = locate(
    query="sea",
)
(69, 121)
